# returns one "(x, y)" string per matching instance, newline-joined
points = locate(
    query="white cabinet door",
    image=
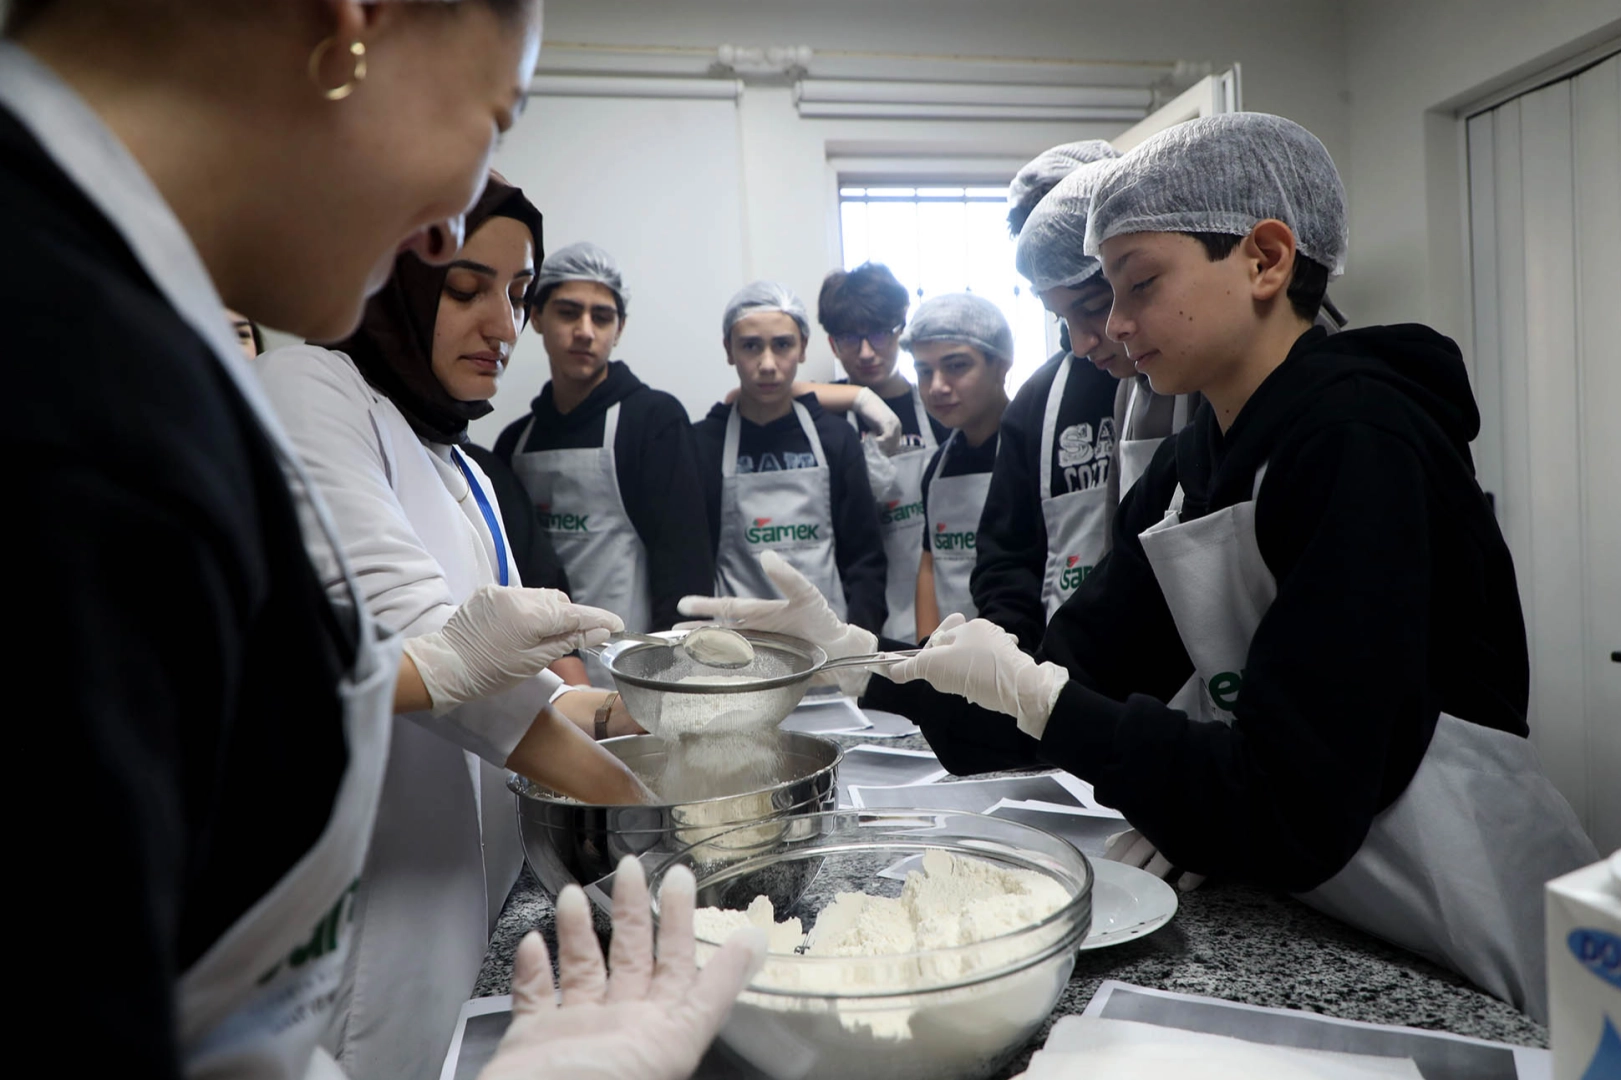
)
(1210, 95)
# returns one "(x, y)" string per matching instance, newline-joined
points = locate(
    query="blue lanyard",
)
(489, 515)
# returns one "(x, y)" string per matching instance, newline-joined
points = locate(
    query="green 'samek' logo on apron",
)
(895, 510)
(1073, 574)
(1224, 688)
(763, 532)
(562, 522)
(953, 541)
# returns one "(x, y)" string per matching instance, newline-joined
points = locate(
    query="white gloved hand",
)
(803, 613)
(983, 662)
(636, 1019)
(501, 636)
(1134, 849)
(885, 426)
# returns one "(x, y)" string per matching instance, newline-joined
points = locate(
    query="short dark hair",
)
(1307, 285)
(1020, 212)
(866, 299)
(545, 294)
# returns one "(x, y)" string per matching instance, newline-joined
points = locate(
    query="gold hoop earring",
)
(357, 75)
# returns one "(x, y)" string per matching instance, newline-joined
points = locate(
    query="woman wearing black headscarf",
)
(380, 421)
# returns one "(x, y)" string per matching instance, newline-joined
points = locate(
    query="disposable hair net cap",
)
(1043, 172)
(1051, 251)
(765, 296)
(584, 261)
(963, 317)
(1226, 174)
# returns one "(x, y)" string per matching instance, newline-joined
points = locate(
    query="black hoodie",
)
(1396, 601)
(656, 462)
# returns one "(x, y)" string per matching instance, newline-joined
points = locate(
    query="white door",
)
(1545, 224)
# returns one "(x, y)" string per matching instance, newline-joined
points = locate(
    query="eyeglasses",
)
(879, 340)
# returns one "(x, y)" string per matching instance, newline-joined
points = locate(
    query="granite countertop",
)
(1227, 941)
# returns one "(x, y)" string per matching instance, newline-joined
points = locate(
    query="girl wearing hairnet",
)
(1303, 662)
(608, 461)
(380, 421)
(962, 348)
(227, 716)
(784, 476)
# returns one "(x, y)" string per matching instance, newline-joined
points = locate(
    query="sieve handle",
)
(872, 660)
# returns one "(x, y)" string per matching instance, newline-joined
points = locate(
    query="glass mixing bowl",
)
(929, 1015)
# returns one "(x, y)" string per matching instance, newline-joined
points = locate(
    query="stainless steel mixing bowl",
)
(568, 842)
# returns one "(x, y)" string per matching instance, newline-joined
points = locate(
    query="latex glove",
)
(636, 1019)
(884, 425)
(1134, 849)
(501, 636)
(803, 613)
(983, 662)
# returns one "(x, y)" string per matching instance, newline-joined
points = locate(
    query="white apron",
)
(254, 1006)
(900, 520)
(582, 511)
(445, 849)
(955, 503)
(1135, 450)
(1453, 869)
(1077, 522)
(789, 511)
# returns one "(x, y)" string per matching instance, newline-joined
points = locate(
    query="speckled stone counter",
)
(1226, 941)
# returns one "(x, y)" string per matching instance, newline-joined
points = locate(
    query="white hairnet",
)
(765, 296)
(1226, 174)
(1046, 169)
(972, 320)
(584, 261)
(1052, 247)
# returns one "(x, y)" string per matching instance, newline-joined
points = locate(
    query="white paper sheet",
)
(1438, 1055)
(478, 1031)
(1098, 1049)
(885, 767)
(965, 796)
(1089, 830)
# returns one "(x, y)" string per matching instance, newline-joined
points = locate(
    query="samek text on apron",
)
(900, 520)
(1453, 869)
(789, 511)
(583, 513)
(954, 506)
(1077, 521)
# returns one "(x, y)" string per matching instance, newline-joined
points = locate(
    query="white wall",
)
(1409, 66)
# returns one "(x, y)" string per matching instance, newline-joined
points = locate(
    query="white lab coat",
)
(445, 851)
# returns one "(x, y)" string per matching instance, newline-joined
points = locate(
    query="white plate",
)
(1126, 904)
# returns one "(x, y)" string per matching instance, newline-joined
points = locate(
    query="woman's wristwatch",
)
(603, 712)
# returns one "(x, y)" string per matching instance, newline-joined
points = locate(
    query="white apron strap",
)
(610, 426)
(1049, 424)
(808, 426)
(728, 452)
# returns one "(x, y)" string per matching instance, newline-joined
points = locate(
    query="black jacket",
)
(178, 661)
(858, 545)
(1396, 601)
(656, 462)
(1012, 542)
(532, 551)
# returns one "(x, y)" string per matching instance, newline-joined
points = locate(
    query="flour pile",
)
(945, 918)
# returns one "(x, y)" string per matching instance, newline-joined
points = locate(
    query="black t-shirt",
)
(179, 661)
(964, 460)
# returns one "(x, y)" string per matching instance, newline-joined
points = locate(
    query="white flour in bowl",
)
(954, 902)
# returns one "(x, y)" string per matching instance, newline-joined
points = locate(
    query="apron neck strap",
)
(1049, 424)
